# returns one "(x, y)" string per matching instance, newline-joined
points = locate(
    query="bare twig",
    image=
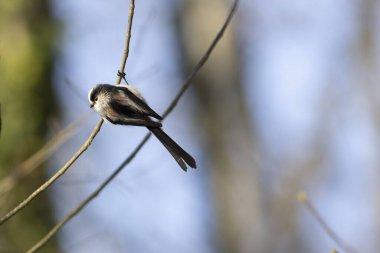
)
(172, 105)
(58, 226)
(128, 40)
(51, 180)
(203, 60)
(302, 198)
(84, 147)
(33, 162)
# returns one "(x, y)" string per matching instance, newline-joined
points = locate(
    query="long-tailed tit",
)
(124, 105)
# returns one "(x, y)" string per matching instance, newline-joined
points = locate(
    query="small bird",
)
(124, 105)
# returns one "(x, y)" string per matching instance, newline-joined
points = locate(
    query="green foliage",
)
(27, 36)
(25, 90)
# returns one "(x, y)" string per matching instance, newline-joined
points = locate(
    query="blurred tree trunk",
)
(365, 47)
(367, 50)
(224, 121)
(27, 36)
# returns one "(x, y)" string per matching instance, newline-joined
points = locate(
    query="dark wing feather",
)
(130, 117)
(145, 108)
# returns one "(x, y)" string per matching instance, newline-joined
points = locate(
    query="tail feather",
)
(180, 155)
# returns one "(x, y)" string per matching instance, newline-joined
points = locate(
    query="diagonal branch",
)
(87, 143)
(170, 108)
(302, 198)
(38, 158)
(202, 61)
(51, 180)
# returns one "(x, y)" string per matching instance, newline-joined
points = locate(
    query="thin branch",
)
(172, 105)
(128, 40)
(202, 61)
(34, 161)
(51, 180)
(59, 225)
(84, 147)
(302, 198)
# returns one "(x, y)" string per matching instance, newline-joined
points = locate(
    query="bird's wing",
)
(126, 97)
(130, 118)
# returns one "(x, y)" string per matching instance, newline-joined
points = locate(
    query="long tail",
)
(180, 155)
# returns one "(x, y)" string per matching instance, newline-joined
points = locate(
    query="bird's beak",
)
(91, 105)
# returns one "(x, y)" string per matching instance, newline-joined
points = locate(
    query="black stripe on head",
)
(97, 89)
(94, 93)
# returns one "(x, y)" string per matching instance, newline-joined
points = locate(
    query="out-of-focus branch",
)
(203, 60)
(87, 143)
(34, 161)
(51, 180)
(303, 199)
(170, 108)
(75, 90)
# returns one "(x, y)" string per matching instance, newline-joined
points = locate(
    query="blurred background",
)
(288, 101)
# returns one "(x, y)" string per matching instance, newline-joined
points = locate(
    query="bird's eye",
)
(96, 99)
